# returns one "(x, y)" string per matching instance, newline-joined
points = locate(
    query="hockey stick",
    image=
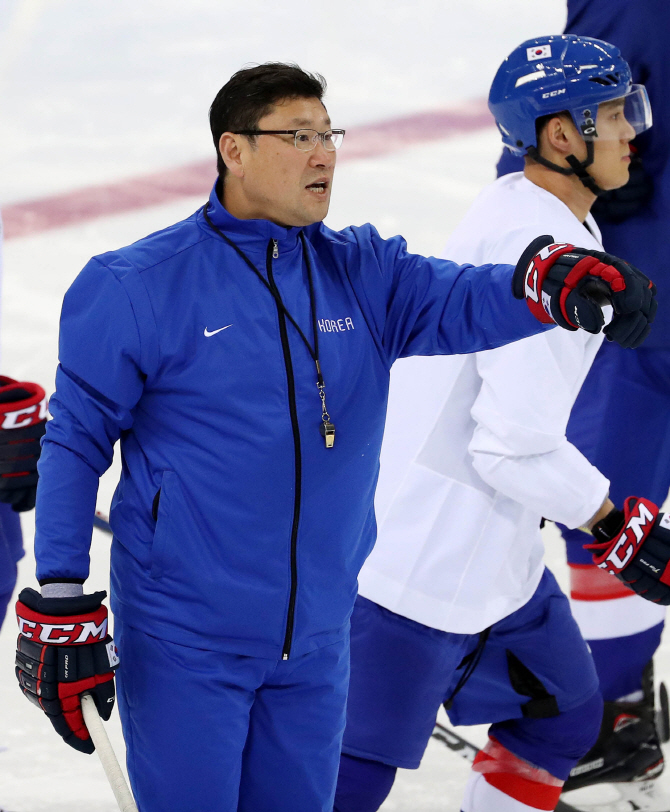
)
(123, 795)
(102, 523)
(465, 749)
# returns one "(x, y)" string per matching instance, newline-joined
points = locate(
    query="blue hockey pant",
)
(535, 682)
(208, 731)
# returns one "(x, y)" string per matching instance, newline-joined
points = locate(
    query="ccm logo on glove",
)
(49, 630)
(634, 545)
(628, 543)
(531, 281)
(29, 416)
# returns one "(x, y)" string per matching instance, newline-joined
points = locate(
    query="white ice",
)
(94, 92)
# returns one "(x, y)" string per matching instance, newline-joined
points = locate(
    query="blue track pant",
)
(208, 731)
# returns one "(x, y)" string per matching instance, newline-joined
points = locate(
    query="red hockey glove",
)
(569, 285)
(23, 414)
(64, 650)
(634, 545)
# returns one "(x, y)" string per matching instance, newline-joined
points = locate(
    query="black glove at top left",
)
(569, 286)
(23, 415)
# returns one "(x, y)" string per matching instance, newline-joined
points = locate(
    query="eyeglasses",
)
(304, 140)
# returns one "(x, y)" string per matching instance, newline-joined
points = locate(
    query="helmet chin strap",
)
(577, 167)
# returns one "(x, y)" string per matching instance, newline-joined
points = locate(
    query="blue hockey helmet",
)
(562, 72)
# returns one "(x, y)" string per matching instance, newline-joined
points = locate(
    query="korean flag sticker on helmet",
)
(538, 52)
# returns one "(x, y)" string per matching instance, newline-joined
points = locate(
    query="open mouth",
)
(319, 187)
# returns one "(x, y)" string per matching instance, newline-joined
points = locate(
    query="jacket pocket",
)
(156, 502)
(162, 507)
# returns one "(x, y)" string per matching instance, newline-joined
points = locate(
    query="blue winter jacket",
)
(235, 528)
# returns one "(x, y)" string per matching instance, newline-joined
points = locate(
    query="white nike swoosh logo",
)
(214, 332)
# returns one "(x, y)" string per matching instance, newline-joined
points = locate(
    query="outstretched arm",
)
(436, 307)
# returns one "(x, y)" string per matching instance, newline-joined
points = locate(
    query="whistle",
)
(328, 433)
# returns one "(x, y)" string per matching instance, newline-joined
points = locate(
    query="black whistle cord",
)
(313, 351)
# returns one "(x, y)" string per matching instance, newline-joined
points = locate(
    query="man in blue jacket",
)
(242, 357)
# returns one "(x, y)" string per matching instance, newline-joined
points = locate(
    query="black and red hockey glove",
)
(569, 286)
(634, 545)
(64, 650)
(23, 416)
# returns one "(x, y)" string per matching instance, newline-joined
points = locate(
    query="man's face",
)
(279, 182)
(611, 157)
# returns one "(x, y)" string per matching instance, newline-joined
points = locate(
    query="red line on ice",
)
(366, 141)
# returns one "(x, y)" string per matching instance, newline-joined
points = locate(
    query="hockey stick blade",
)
(465, 749)
(103, 747)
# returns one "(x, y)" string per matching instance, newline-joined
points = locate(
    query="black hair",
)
(251, 93)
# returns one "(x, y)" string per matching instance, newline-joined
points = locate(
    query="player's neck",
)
(567, 188)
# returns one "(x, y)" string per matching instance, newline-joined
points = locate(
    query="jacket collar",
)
(248, 231)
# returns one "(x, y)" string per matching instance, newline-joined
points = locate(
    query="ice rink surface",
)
(101, 93)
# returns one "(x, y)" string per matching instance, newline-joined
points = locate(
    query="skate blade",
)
(632, 796)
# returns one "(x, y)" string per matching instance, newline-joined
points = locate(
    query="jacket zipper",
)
(273, 253)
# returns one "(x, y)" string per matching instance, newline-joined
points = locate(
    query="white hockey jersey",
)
(475, 452)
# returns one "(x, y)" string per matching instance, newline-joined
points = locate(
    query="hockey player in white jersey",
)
(456, 605)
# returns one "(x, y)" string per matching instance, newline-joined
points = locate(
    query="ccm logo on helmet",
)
(626, 547)
(553, 93)
(530, 280)
(58, 634)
